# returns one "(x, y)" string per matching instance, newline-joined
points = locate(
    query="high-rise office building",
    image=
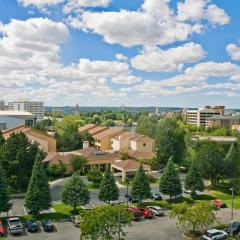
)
(36, 108)
(202, 116)
(2, 105)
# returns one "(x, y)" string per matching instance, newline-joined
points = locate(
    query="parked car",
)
(32, 226)
(116, 202)
(235, 228)
(187, 191)
(146, 213)
(136, 213)
(156, 196)
(2, 230)
(48, 225)
(218, 203)
(76, 220)
(14, 225)
(215, 234)
(131, 199)
(157, 211)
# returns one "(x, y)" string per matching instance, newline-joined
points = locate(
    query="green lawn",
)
(91, 187)
(64, 209)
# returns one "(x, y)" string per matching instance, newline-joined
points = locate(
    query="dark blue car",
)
(48, 225)
(32, 226)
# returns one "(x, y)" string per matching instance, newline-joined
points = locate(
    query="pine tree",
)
(232, 162)
(38, 195)
(194, 180)
(5, 205)
(170, 183)
(140, 186)
(108, 188)
(75, 192)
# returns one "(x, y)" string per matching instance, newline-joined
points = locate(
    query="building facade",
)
(11, 119)
(36, 108)
(202, 116)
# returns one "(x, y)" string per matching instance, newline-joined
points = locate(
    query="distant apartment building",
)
(36, 108)
(202, 116)
(2, 105)
(11, 119)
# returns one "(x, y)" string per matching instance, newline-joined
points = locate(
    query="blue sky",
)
(113, 52)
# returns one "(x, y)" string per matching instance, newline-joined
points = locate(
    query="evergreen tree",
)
(108, 188)
(170, 183)
(169, 141)
(140, 186)
(5, 205)
(38, 195)
(194, 180)
(75, 192)
(95, 176)
(232, 162)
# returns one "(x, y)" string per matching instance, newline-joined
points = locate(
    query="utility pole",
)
(231, 229)
(119, 222)
(127, 181)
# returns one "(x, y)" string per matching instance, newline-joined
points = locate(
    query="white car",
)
(215, 234)
(158, 211)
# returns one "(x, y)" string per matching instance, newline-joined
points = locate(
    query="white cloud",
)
(30, 64)
(76, 5)
(173, 59)
(121, 57)
(155, 23)
(198, 10)
(39, 3)
(126, 79)
(234, 51)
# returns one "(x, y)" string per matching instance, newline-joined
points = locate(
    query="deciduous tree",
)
(78, 162)
(95, 176)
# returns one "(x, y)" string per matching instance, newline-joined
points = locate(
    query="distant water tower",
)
(77, 110)
(157, 110)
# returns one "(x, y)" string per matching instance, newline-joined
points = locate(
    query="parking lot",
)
(154, 229)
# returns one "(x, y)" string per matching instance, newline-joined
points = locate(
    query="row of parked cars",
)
(215, 234)
(14, 226)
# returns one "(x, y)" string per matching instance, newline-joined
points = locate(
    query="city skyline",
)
(109, 53)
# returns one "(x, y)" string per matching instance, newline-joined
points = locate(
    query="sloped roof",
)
(142, 138)
(16, 113)
(97, 130)
(124, 135)
(129, 165)
(25, 129)
(86, 127)
(140, 155)
(109, 133)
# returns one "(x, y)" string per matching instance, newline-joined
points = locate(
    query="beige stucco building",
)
(103, 141)
(46, 142)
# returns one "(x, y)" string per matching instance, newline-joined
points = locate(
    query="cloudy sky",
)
(113, 52)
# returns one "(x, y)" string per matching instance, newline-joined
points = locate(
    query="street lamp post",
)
(231, 229)
(119, 222)
(127, 181)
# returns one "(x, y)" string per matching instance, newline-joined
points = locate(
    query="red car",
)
(136, 213)
(2, 231)
(146, 213)
(218, 203)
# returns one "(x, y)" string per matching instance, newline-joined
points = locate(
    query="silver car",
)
(157, 211)
(215, 234)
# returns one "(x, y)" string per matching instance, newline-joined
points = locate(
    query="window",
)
(144, 144)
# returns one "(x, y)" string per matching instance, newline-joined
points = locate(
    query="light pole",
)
(231, 229)
(127, 181)
(119, 222)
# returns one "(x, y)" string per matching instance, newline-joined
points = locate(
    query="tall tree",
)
(108, 188)
(169, 141)
(5, 204)
(146, 126)
(140, 186)
(232, 163)
(17, 157)
(170, 183)
(196, 217)
(194, 180)
(102, 223)
(38, 196)
(75, 192)
(210, 157)
(95, 176)
(78, 162)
